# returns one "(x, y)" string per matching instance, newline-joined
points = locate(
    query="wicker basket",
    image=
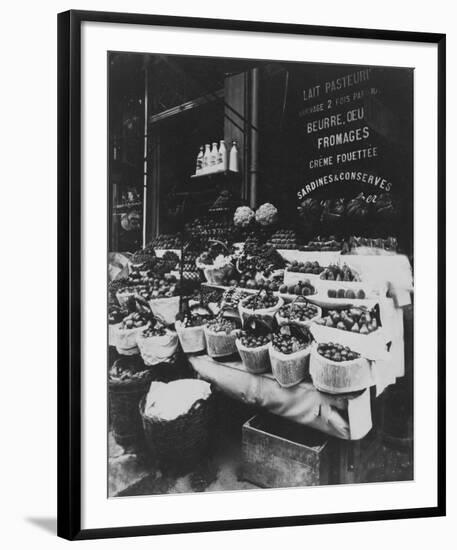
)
(181, 443)
(192, 339)
(267, 314)
(157, 349)
(124, 398)
(219, 344)
(289, 369)
(340, 377)
(256, 360)
(165, 309)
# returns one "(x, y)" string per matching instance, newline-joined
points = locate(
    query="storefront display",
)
(260, 274)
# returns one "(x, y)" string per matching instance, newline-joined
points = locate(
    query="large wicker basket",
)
(157, 349)
(124, 398)
(165, 309)
(181, 443)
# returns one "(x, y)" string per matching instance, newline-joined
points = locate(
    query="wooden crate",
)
(280, 453)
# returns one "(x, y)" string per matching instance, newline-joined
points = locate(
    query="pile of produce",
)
(306, 267)
(127, 372)
(211, 228)
(302, 288)
(166, 241)
(135, 319)
(287, 341)
(243, 216)
(346, 293)
(337, 352)
(355, 319)
(157, 287)
(222, 325)
(323, 244)
(336, 272)
(232, 297)
(252, 340)
(266, 214)
(263, 300)
(390, 243)
(298, 311)
(157, 330)
(284, 238)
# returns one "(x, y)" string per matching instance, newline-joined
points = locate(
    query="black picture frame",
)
(69, 276)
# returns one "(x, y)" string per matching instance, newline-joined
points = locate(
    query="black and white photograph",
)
(260, 281)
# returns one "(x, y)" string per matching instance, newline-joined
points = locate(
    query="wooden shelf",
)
(218, 174)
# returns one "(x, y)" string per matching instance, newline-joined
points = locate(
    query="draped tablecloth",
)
(343, 416)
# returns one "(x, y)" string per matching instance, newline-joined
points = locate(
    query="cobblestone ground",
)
(129, 475)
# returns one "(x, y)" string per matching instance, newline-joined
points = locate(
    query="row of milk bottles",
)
(212, 159)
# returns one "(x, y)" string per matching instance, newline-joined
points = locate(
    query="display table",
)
(345, 416)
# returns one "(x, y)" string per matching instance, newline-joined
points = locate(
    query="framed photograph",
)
(251, 274)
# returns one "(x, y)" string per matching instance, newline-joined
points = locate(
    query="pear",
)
(355, 328)
(364, 329)
(341, 325)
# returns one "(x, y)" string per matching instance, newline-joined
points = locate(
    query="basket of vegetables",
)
(289, 354)
(220, 336)
(262, 305)
(335, 368)
(128, 381)
(157, 344)
(252, 343)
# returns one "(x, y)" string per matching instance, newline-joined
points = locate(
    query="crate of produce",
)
(359, 328)
(289, 355)
(302, 271)
(280, 453)
(335, 368)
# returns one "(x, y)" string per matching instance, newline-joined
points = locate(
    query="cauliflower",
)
(243, 216)
(266, 214)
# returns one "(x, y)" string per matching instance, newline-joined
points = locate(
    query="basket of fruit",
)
(289, 354)
(335, 368)
(357, 327)
(220, 336)
(298, 313)
(253, 343)
(157, 344)
(128, 381)
(191, 334)
(301, 271)
(125, 335)
(177, 420)
(263, 305)
(216, 264)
